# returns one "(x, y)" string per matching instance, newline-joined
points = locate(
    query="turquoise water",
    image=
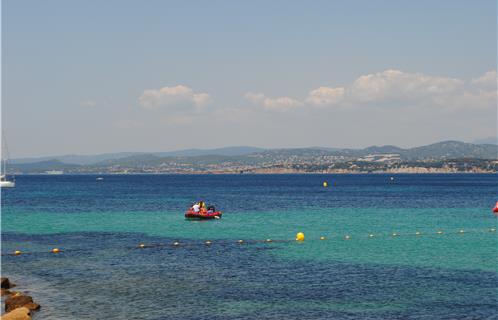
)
(98, 225)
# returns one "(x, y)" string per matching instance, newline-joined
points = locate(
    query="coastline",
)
(262, 172)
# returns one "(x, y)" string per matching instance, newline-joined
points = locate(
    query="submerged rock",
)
(18, 314)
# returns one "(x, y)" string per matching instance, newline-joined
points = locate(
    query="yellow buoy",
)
(300, 236)
(322, 238)
(141, 245)
(208, 242)
(395, 234)
(56, 250)
(240, 241)
(346, 237)
(17, 252)
(325, 184)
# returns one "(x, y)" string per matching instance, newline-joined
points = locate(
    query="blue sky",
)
(106, 76)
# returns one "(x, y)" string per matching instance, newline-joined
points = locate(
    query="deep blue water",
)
(102, 274)
(239, 193)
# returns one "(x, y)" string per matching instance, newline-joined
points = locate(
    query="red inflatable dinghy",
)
(190, 214)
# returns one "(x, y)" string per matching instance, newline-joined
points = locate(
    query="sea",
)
(377, 246)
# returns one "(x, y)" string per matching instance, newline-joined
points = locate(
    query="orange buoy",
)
(495, 209)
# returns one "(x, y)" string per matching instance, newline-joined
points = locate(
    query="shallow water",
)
(101, 272)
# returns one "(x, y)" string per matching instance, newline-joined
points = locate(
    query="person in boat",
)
(211, 209)
(196, 207)
(202, 208)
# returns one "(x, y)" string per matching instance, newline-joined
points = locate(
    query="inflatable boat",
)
(190, 214)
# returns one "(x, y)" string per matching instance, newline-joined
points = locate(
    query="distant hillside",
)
(228, 151)
(191, 161)
(246, 157)
(77, 159)
(383, 149)
(306, 152)
(41, 166)
(133, 160)
(452, 150)
(102, 158)
(440, 150)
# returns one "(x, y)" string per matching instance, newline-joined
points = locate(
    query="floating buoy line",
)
(299, 238)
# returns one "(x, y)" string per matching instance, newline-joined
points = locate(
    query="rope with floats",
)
(300, 237)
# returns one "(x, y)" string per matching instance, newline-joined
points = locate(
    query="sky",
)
(89, 77)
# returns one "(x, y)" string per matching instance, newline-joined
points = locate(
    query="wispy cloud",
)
(179, 98)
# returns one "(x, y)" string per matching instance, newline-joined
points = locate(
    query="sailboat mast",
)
(5, 153)
(4, 183)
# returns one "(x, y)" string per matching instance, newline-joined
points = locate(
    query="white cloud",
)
(201, 99)
(179, 98)
(324, 96)
(278, 104)
(487, 82)
(395, 88)
(482, 93)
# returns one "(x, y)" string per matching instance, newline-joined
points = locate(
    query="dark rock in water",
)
(17, 301)
(5, 292)
(6, 284)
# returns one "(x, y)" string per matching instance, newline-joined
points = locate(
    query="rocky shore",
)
(18, 306)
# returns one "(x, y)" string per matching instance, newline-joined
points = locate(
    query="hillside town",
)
(442, 157)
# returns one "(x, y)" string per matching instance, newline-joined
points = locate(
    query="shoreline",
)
(253, 173)
(17, 305)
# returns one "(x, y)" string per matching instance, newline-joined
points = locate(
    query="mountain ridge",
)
(196, 160)
(92, 159)
(443, 149)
